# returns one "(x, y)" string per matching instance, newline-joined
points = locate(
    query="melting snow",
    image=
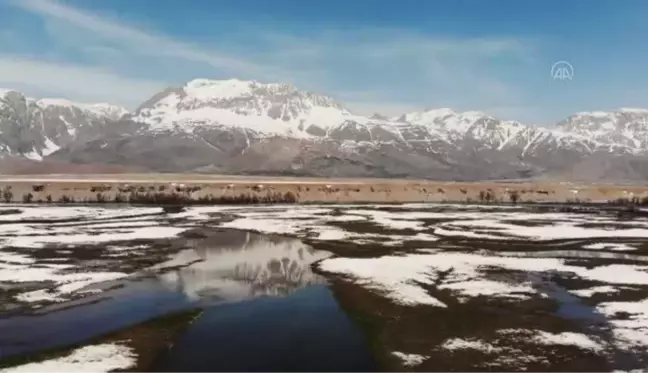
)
(546, 338)
(560, 230)
(399, 276)
(49, 147)
(410, 360)
(469, 344)
(595, 290)
(105, 357)
(566, 338)
(610, 246)
(36, 227)
(631, 330)
(408, 279)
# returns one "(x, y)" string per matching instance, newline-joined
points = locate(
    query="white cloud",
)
(391, 66)
(76, 82)
(136, 40)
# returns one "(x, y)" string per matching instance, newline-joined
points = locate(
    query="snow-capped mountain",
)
(268, 110)
(35, 128)
(458, 126)
(622, 130)
(274, 109)
(239, 126)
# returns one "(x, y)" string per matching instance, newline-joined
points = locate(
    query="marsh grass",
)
(632, 201)
(149, 197)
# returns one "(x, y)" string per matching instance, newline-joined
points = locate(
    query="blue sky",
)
(375, 55)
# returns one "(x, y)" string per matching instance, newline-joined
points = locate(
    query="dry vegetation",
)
(163, 190)
(144, 195)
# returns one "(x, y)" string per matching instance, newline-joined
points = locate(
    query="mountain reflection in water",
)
(236, 265)
(227, 266)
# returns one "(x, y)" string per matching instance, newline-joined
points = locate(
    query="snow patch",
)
(94, 358)
(534, 336)
(556, 231)
(595, 290)
(453, 344)
(410, 360)
(631, 330)
(609, 246)
(401, 277)
(567, 339)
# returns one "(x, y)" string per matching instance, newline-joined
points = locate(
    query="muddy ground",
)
(148, 340)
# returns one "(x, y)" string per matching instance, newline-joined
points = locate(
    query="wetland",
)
(415, 287)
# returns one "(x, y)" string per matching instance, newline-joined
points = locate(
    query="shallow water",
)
(228, 274)
(446, 287)
(116, 309)
(569, 306)
(305, 331)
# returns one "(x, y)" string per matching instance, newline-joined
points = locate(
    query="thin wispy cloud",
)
(86, 84)
(99, 56)
(136, 40)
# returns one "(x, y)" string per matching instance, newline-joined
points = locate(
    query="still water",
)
(264, 309)
(305, 331)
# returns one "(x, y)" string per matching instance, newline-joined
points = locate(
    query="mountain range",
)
(247, 127)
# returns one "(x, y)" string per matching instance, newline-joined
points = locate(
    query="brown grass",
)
(160, 188)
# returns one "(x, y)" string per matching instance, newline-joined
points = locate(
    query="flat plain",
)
(313, 190)
(395, 284)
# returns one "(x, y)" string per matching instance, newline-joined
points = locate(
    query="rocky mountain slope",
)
(33, 129)
(246, 127)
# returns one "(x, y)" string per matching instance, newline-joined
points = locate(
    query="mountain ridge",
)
(35, 128)
(241, 126)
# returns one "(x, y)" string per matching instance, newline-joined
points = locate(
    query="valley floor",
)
(78, 188)
(421, 287)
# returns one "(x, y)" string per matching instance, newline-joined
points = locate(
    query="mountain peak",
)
(4, 91)
(230, 88)
(211, 124)
(263, 107)
(101, 110)
(214, 89)
(39, 127)
(435, 117)
(633, 110)
(106, 110)
(609, 114)
(209, 89)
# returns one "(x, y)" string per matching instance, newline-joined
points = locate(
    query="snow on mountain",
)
(475, 125)
(267, 110)
(248, 126)
(35, 128)
(274, 109)
(623, 129)
(634, 110)
(100, 110)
